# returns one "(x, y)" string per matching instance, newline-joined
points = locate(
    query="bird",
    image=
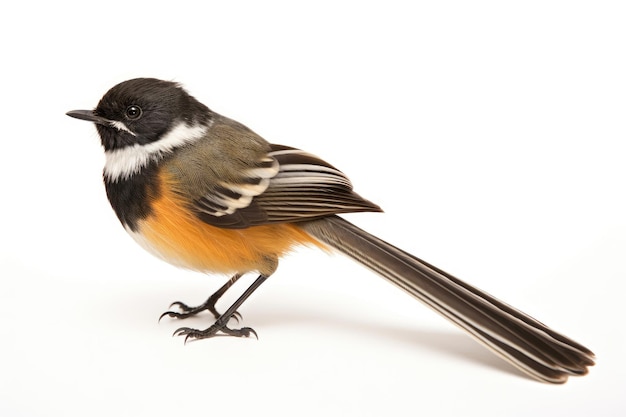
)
(206, 193)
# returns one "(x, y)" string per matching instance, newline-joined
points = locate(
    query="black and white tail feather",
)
(308, 191)
(523, 341)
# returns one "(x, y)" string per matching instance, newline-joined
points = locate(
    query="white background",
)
(491, 134)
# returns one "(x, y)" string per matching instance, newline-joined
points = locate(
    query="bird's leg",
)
(209, 304)
(220, 324)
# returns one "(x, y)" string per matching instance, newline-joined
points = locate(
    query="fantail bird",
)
(204, 192)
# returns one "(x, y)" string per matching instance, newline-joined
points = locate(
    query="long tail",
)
(523, 341)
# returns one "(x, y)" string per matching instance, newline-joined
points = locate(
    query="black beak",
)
(89, 116)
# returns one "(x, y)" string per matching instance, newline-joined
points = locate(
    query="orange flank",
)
(174, 233)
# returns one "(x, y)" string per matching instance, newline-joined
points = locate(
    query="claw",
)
(183, 307)
(174, 314)
(237, 316)
(181, 330)
(252, 331)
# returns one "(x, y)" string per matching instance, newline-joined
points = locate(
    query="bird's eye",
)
(133, 112)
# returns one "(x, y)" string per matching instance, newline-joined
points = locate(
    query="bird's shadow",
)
(452, 343)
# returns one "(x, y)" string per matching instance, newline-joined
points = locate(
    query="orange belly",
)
(181, 238)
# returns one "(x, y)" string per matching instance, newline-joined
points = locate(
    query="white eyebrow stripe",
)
(121, 126)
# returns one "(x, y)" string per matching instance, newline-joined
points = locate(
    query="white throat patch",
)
(123, 163)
